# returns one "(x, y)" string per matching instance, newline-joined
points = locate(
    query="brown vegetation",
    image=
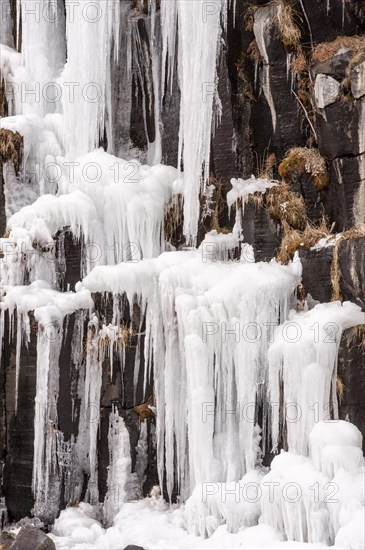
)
(300, 160)
(289, 32)
(299, 63)
(144, 410)
(11, 147)
(294, 240)
(326, 50)
(356, 232)
(173, 218)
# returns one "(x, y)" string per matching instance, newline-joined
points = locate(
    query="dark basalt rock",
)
(2, 203)
(32, 537)
(351, 371)
(335, 66)
(345, 18)
(261, 232)
(342, 193)
(133, 547)
(280, 125)
(68, 259)
(316, 276)
(338, 129)
(352, 269)
(19, 426)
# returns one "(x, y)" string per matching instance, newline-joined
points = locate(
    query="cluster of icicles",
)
(217, 331)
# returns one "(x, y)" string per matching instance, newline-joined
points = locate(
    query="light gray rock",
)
(357, 76)
(6, 540)
(30, 537)
(326, 90)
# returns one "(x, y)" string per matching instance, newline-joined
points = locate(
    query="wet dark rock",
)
(20, 424)
(351, 371)
(281, 125)
(345, 18)
(338, 129)
(341, 197)
(223, 157)
(2, 203)
(32, 537)
(133, 547)
(68, 259)
(352, 270)
(261, 232)
(316, 276)
(335, 66)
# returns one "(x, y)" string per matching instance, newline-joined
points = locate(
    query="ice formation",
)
(305, 350)
(241, 189)
(49, 308)
(202, 306)
(221, 340)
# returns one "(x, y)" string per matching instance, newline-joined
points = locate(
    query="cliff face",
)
(283, 83)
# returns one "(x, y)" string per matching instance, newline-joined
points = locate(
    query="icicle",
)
(198, 34)
(92, 404)
(122, 484)
(308, 382)
(207, 371)
(43, 50)
(168, 29)
(49, 342)
(90, 36)
(17, 357)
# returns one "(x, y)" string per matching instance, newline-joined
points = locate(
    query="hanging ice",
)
(199, 32)
(91, 31)
(200, 306)
(303, 361)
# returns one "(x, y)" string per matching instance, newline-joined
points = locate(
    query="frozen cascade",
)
(138, 195)
(198, 306)
(218, 341)
(91, 31)
(120, 479)
(49, 307)
(303, 361)
(43, 52)
(308, 500)
(199, 33)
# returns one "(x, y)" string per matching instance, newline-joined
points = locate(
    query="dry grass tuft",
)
(356, 232)
(358, 57)
(144, 410)
(326, 50)
(267, 167)
(124, 335)
(294, 240)
(299, 63)
(173, 218)
(286, 206)
(289, 32)
(358, 335)
(285, 21)
(300, 160)
(340, 388)
(335, 275)
(213, 206)
(11, 148)
(253, 52)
